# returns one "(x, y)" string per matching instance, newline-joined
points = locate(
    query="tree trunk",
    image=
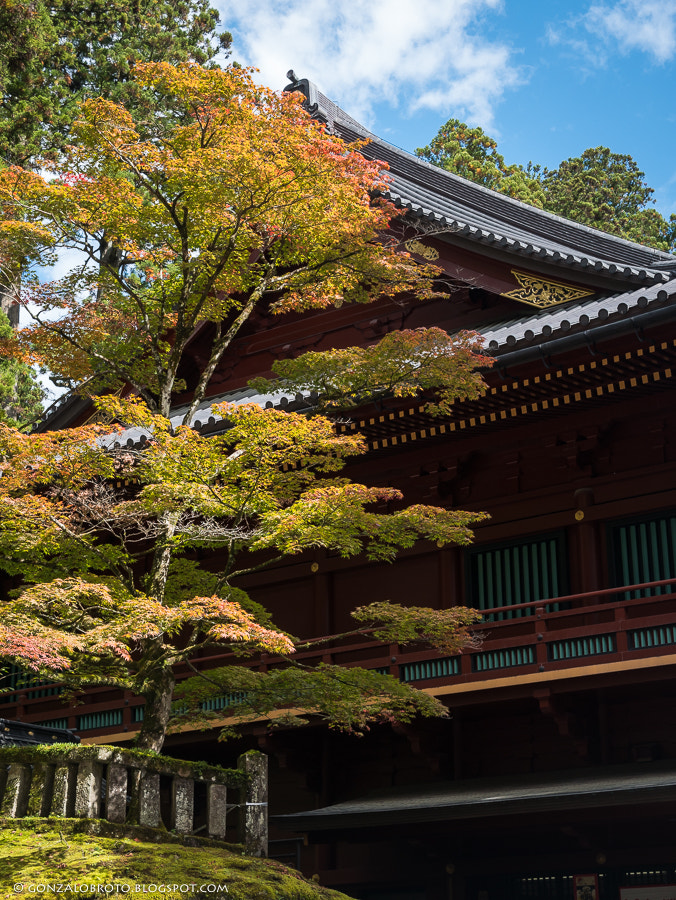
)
(156, 712)
(9, 293)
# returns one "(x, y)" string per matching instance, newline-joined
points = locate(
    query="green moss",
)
(39, 852)
(146, 759)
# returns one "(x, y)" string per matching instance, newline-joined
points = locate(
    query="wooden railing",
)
(124, 787)
(541, 635)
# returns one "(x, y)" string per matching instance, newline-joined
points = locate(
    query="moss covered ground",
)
(50, 857)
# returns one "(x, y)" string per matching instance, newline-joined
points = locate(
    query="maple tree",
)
(187, 225)
(52, 56)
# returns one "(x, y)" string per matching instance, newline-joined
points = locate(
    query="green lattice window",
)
(516, 572)
(643, 550)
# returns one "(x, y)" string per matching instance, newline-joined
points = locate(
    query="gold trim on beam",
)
(527, 408)
(554, 375)
(543, 293)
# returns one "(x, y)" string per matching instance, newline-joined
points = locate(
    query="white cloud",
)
(412, 53)
(643, 25)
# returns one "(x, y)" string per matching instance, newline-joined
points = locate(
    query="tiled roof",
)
(205, 418)
(588, 313)
(481, 798)
(458, 206)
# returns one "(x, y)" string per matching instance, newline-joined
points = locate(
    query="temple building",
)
(554, 775)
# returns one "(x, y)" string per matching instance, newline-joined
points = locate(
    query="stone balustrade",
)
(130, 787)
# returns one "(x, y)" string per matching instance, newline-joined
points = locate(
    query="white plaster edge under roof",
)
(587, 312)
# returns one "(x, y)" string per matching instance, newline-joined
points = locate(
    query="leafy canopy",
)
(600, 188)
(111, 578)
(54, 55)
(129, 558)
(251, 203)
(471, 153)
(608, 191)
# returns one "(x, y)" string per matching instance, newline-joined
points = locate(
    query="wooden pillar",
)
(321, 599)
(588, 575)
(449, 590)
(457, 744)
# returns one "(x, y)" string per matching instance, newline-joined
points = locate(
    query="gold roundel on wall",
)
(542, 293)
(424, 250)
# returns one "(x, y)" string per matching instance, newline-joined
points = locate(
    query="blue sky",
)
(547, 80)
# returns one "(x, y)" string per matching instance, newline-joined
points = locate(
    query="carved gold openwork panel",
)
(542, 293)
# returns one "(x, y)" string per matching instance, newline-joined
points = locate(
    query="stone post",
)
(149, 800)
(182, 804)
(63, 794)
(42, 786)
(15, 799)
(3, 782)
(217, 808)
(88, 789)
(116, 793)
(253, 821)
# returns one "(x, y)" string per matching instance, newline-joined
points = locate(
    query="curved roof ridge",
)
(450, 199)
(406, 167)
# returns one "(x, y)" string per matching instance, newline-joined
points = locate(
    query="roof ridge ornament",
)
(542, 292)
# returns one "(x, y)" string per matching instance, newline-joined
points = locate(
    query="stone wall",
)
(125, 787)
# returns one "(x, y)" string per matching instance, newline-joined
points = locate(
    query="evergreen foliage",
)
(602, 189)
(20, 393)
(471, 153)
(55, 54)
(607, 191)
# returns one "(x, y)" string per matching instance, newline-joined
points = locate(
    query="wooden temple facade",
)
(554, 775)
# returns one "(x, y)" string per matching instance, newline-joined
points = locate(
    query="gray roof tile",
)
(479, 798)
(583, 313)
(205, 417)
(481, 215)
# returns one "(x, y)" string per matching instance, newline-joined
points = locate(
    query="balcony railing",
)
(628, 622)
